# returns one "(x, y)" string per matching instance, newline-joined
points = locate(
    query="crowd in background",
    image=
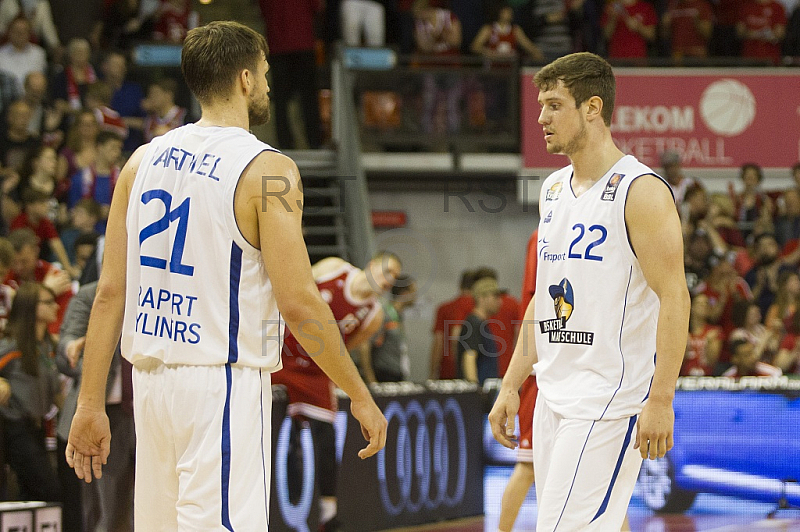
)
(69, 114)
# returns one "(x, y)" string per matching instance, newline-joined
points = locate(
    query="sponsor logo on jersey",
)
(563, 304)
(548, 218)
(547, 256)
(611, 188)
(554, 191)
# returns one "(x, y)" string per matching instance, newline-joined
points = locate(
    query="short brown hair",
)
(584, 75)
(213, 56)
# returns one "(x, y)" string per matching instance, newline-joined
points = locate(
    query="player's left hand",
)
(654, 429)
(502, 416)
(89, 443)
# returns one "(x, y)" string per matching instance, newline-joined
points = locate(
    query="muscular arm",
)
(506, 406)
(278, 216)
(273, 218)
(655, 234)
(90, 437)
(437, 348)
(105, 320)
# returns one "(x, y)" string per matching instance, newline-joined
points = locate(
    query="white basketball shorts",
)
(585, 471)
(202, 447)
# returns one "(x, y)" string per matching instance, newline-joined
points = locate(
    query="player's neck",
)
(593, 161)
(224, 116)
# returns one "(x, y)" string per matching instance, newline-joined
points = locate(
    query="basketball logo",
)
(727, 107)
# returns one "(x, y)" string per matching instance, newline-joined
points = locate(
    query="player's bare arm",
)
(89, 436)
(361, 341)
(469, 365)
(505, 408)
(655, 234)
(271, 220)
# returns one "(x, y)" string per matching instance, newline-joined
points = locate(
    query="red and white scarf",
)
(73, 94)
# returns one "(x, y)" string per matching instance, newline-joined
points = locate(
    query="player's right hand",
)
(373, 426)
(89, 443)
(503, 416)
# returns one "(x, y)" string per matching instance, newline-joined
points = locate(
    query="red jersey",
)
(45, 229)
(503, 326)
(627, 43)
(502, 39)
(529, 277)
(173, 21)
(42, 269)
(760, 17)
(311, 392)
(687, 41)
(448, 315)
(695, 362)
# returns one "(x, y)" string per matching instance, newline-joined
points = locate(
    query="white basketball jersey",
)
(596, 316)
(197, 291)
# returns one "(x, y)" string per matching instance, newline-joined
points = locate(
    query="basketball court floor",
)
(709, 513)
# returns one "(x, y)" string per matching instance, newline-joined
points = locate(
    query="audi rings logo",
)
(429, 440)
(295, 515)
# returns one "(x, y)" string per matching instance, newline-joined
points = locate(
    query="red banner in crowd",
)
(714, 118)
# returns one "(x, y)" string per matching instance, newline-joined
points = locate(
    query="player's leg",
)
(593, 468)
(522, 478)
(326, 472)
(220, 418)
(156, 484)
(514, 495)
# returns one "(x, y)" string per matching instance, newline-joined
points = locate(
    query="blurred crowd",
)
(742, 252)
(70, 113)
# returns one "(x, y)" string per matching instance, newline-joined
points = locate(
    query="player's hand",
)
(373, 426)
(502, 417)
(654, 429)
(89, 443)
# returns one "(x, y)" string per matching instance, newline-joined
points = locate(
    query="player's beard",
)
(576, 143)
(258, 111)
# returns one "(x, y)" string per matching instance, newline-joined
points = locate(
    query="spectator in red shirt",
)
(688, 24)
(629, 25)
(762, 27)
(173, 19)
(705, 340)
(34, 216)
(27, 266)
(443, 358)
(723, 287)
(503, 324)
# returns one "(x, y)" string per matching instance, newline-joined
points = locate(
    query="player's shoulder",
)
(272, 160)
(327, 267)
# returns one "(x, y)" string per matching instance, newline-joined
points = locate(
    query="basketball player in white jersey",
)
(203, 268)
(607, 326)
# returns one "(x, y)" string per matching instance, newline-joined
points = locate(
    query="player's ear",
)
(594, 108)
(245, 80)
